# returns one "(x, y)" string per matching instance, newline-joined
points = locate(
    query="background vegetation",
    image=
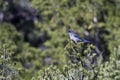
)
(34, 43)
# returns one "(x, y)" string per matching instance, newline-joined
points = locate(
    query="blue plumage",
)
(76, 38)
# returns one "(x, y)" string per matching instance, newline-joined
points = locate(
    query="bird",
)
(75, 38)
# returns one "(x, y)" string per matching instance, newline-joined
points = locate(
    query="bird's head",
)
(70, 31)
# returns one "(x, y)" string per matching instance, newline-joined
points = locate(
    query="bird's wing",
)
(80, 39)
(77, 36)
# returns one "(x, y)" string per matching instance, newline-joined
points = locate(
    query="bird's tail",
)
(86, 41)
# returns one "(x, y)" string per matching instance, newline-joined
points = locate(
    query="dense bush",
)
(34, 43)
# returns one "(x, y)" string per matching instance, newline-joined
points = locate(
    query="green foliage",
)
(9, 36)
(7, 69)
(55, 57)
(82, 69)
(24, 57)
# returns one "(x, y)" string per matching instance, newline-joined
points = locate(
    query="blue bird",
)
(74, 37)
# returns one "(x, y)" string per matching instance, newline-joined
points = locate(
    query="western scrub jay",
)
(74, 37)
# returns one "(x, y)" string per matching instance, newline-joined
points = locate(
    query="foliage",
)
(34, 42)
(7, 69)
(83, 70)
